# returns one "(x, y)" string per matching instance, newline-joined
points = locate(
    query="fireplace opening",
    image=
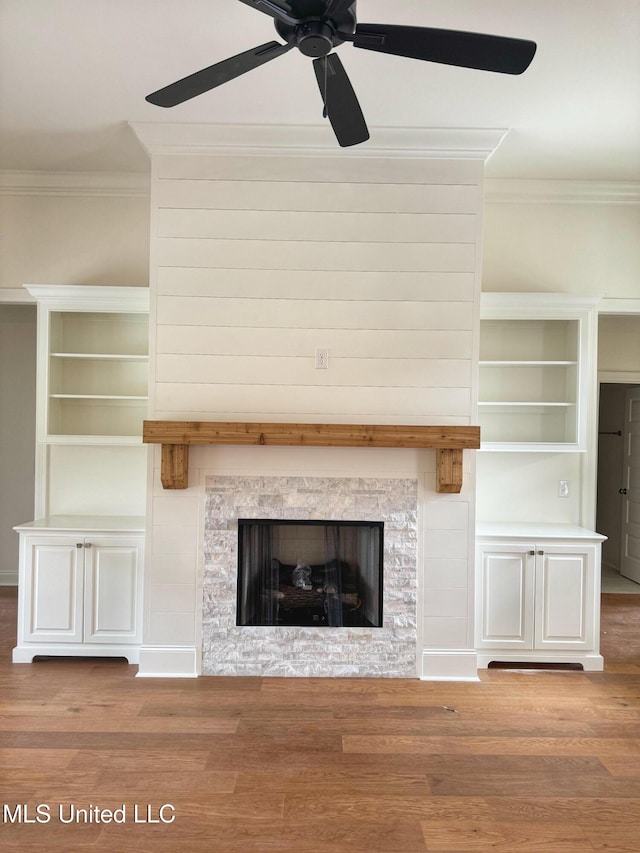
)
(310, 573)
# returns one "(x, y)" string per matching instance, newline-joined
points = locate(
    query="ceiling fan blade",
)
(278, 9)
(340, 101)
(451, 47)
(336, 8)
(208, 78)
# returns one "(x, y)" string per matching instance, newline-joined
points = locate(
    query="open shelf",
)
(97, 376)
(530, 380)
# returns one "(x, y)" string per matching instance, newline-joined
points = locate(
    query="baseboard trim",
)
(449, 665)
(168, 662)
(591, 661)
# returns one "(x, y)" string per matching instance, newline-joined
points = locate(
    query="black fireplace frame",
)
(243, 527)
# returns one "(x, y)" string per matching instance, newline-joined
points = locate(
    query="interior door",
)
(630, 530)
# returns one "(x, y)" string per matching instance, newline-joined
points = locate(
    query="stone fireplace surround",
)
(389, 651)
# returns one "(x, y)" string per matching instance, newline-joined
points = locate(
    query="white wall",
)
(619, 342)
(17, 429)
(590, 249)
(73, 239)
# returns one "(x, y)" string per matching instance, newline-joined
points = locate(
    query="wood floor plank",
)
(334, 781)
(145, 785)
(20, 784)
(427, 745)
(586, 811)
(128, 725)
(140, 760)
(517, 785)
(51, 758)
(478, 837)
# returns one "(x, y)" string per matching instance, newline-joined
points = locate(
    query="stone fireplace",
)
(308, 650)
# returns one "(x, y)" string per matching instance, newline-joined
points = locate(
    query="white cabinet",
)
(80, 588)
(538, 594)
(537, 371)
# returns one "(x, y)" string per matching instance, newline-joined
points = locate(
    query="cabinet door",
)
(565, 598)
(53, 590)
(504, 615)
(113, 568)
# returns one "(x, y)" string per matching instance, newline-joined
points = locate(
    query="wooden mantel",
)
(176, 436)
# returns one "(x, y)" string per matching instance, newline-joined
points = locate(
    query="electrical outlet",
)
(563, 488)
(322, 358)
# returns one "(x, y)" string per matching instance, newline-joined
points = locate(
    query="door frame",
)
(609, 307)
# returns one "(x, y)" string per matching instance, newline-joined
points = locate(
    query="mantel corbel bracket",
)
(176, 437)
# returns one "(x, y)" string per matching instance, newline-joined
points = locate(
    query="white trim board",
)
(620, 377)
(94, 184)
(611, 305)
(514, 191)
(16, 296)
(310, 141)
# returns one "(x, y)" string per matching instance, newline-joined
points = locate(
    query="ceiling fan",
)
(315, 27)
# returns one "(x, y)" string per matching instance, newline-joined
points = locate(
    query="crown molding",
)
(619, 306)
(513, 191)
(618, 377)
(498, 304)
(83, 296)
(88, 184)
(314, 141)
(15, 296)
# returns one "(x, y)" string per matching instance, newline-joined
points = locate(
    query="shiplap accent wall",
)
(257, 259)
(256, 268)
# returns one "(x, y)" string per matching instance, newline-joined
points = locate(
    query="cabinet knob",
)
(87, 545)
(622, 491)
(79, 545)
(532, 553)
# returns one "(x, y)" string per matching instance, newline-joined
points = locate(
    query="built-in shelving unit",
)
(91, 399)
(97, 376)
(81, 559)
(535, 352)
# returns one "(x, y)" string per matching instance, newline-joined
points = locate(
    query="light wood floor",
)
(521, 761)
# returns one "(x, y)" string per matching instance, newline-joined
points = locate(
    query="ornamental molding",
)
(75, 184)
(316, 141)
(513, 191)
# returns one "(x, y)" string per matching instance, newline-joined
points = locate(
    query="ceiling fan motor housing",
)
(315, 34)
(315, 38)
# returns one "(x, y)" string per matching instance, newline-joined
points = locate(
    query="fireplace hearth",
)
(323, 574)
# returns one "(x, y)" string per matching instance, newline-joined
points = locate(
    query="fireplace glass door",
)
(310, 573)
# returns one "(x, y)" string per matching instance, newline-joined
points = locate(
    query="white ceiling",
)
(74, 73)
